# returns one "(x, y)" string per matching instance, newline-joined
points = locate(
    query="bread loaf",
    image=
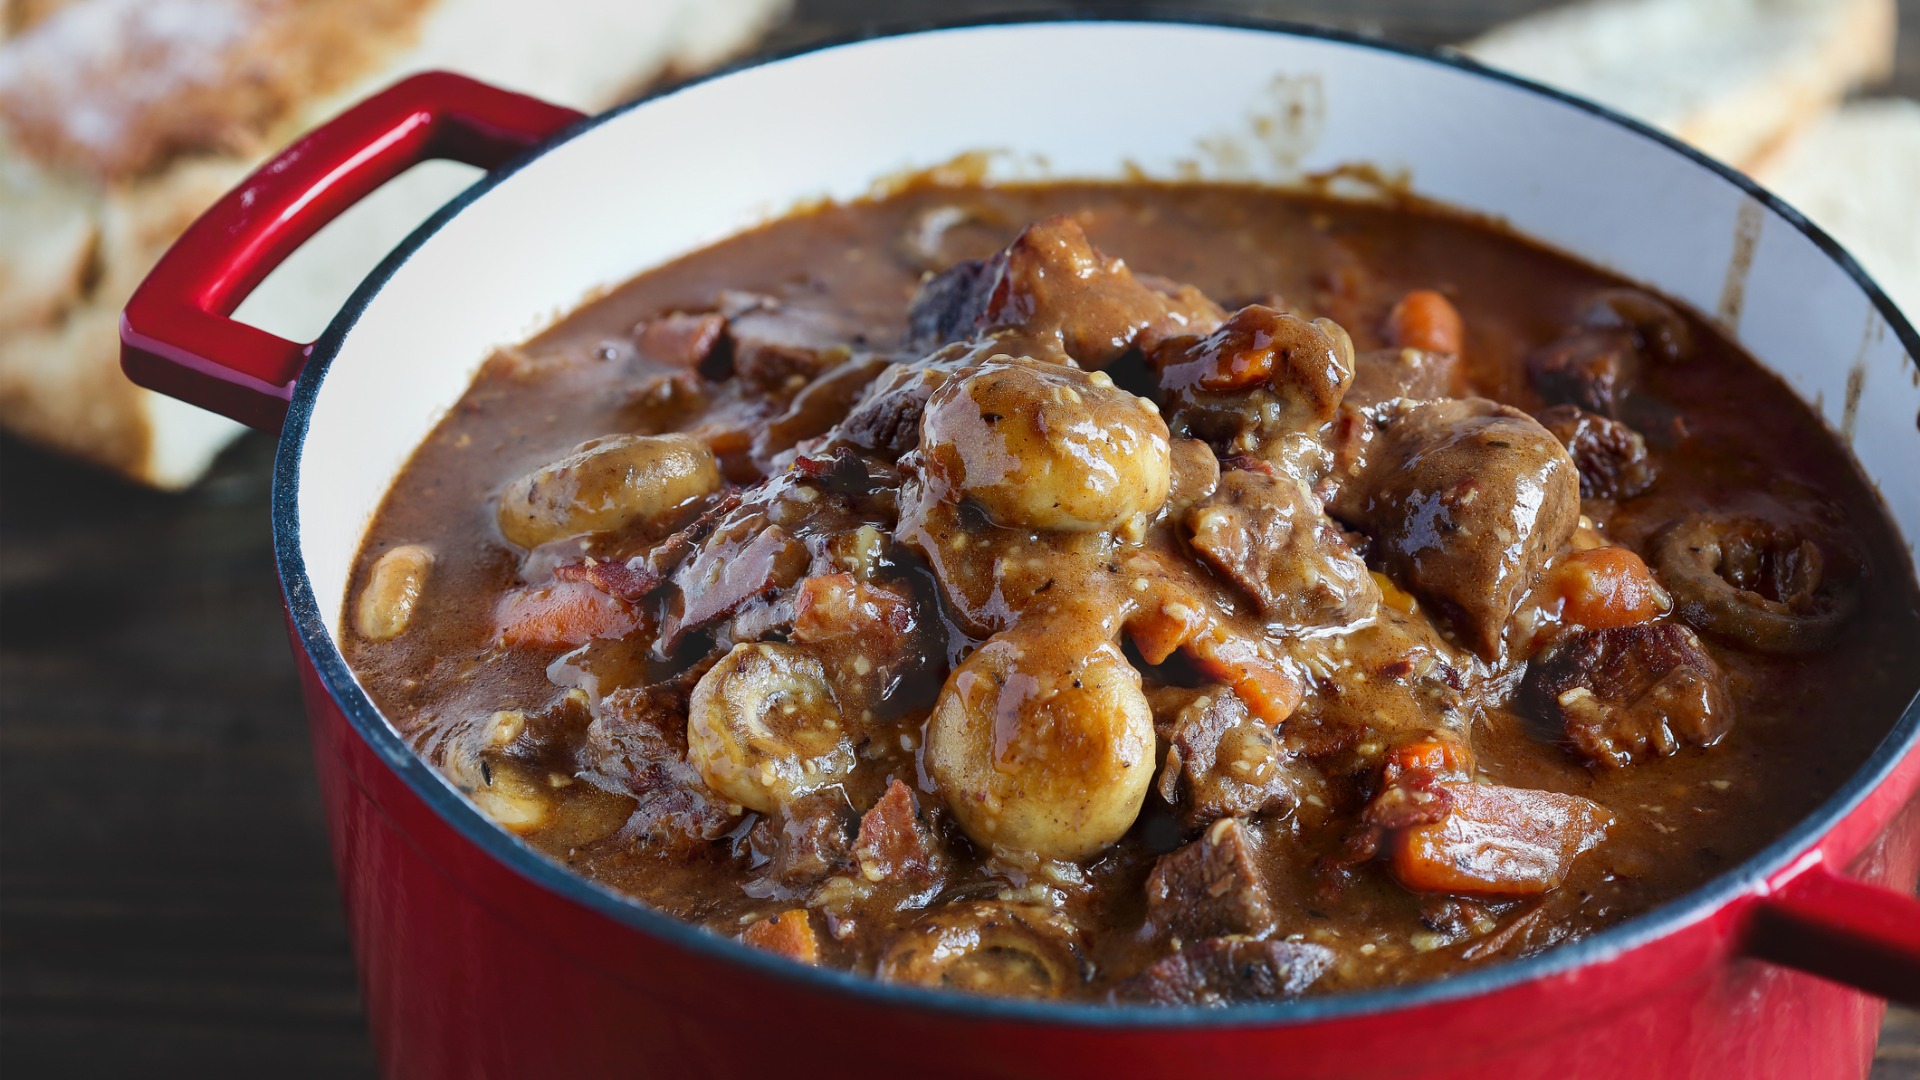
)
(121, 120)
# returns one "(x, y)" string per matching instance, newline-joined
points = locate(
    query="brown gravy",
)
(566, 744)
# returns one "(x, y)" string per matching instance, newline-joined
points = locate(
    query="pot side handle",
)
(1849, 931)
(176, 336)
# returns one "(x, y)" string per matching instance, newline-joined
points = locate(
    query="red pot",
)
(479, 958)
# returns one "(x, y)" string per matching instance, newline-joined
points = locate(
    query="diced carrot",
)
(1498, 842)
(1159, 629)
(1268, 690)
(1238, 366)
(1605, 587)
(563, 613)
(1424, 319)
(724, 436)
(789, 933)
(1436, 754)
(1392, 595)
(1239, 355)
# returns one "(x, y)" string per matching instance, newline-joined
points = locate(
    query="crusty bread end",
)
(121, 120)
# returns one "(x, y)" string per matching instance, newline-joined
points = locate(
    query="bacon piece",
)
(562, 614)
(893, 845)
(630, 580)
(681, 339)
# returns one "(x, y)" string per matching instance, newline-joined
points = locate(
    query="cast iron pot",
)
(479, 958)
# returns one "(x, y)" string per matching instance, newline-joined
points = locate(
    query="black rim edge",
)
(427, 783)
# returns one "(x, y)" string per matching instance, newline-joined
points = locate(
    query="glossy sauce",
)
(1722, 434)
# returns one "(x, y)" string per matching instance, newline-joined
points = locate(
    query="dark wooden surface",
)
(166, 902)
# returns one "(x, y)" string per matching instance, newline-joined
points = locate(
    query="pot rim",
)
(310, 623)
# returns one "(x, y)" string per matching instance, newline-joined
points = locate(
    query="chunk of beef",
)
(1632, 692)
(1660, 332)
(1222, 761)
(1188, 311)
(1466, 501)
(674, 813)
(1497, 842)
(886, 421)
(1591, 368)
(1229, 971)
(1261, 346)
(1393, 679)
(636, 747)
(954, 304)
(893, 845)
(1209, 888)
(778, 346)
(1267, 534)
(818, 406)
(871, 640)
(681, 339)
(806, 840)
(746, 558)
(1262, 374)
(1610, 456)
(866, 488)
(1056, 292)
(1382, 375)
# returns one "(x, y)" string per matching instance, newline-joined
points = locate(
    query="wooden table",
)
(166, 902)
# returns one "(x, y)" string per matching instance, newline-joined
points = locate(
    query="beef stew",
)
(1328, 595)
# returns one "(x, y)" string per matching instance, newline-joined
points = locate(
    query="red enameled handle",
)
(1841, 929)
(176, 336)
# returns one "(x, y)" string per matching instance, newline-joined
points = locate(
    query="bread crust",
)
(119, 89)
(121, 120)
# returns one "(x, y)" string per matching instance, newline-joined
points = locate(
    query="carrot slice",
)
(1158, 630)
(1436, 754)
(1605, 587)
(562, 614)
(1424, 319)
(1392, 595)
(1269, 691)
(789, 933)
(1498, 842)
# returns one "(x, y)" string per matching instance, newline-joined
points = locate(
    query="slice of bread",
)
(1857, 175)
(1735, 78)
(121, 120)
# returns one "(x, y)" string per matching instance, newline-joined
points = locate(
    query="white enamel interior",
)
(686, 170)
